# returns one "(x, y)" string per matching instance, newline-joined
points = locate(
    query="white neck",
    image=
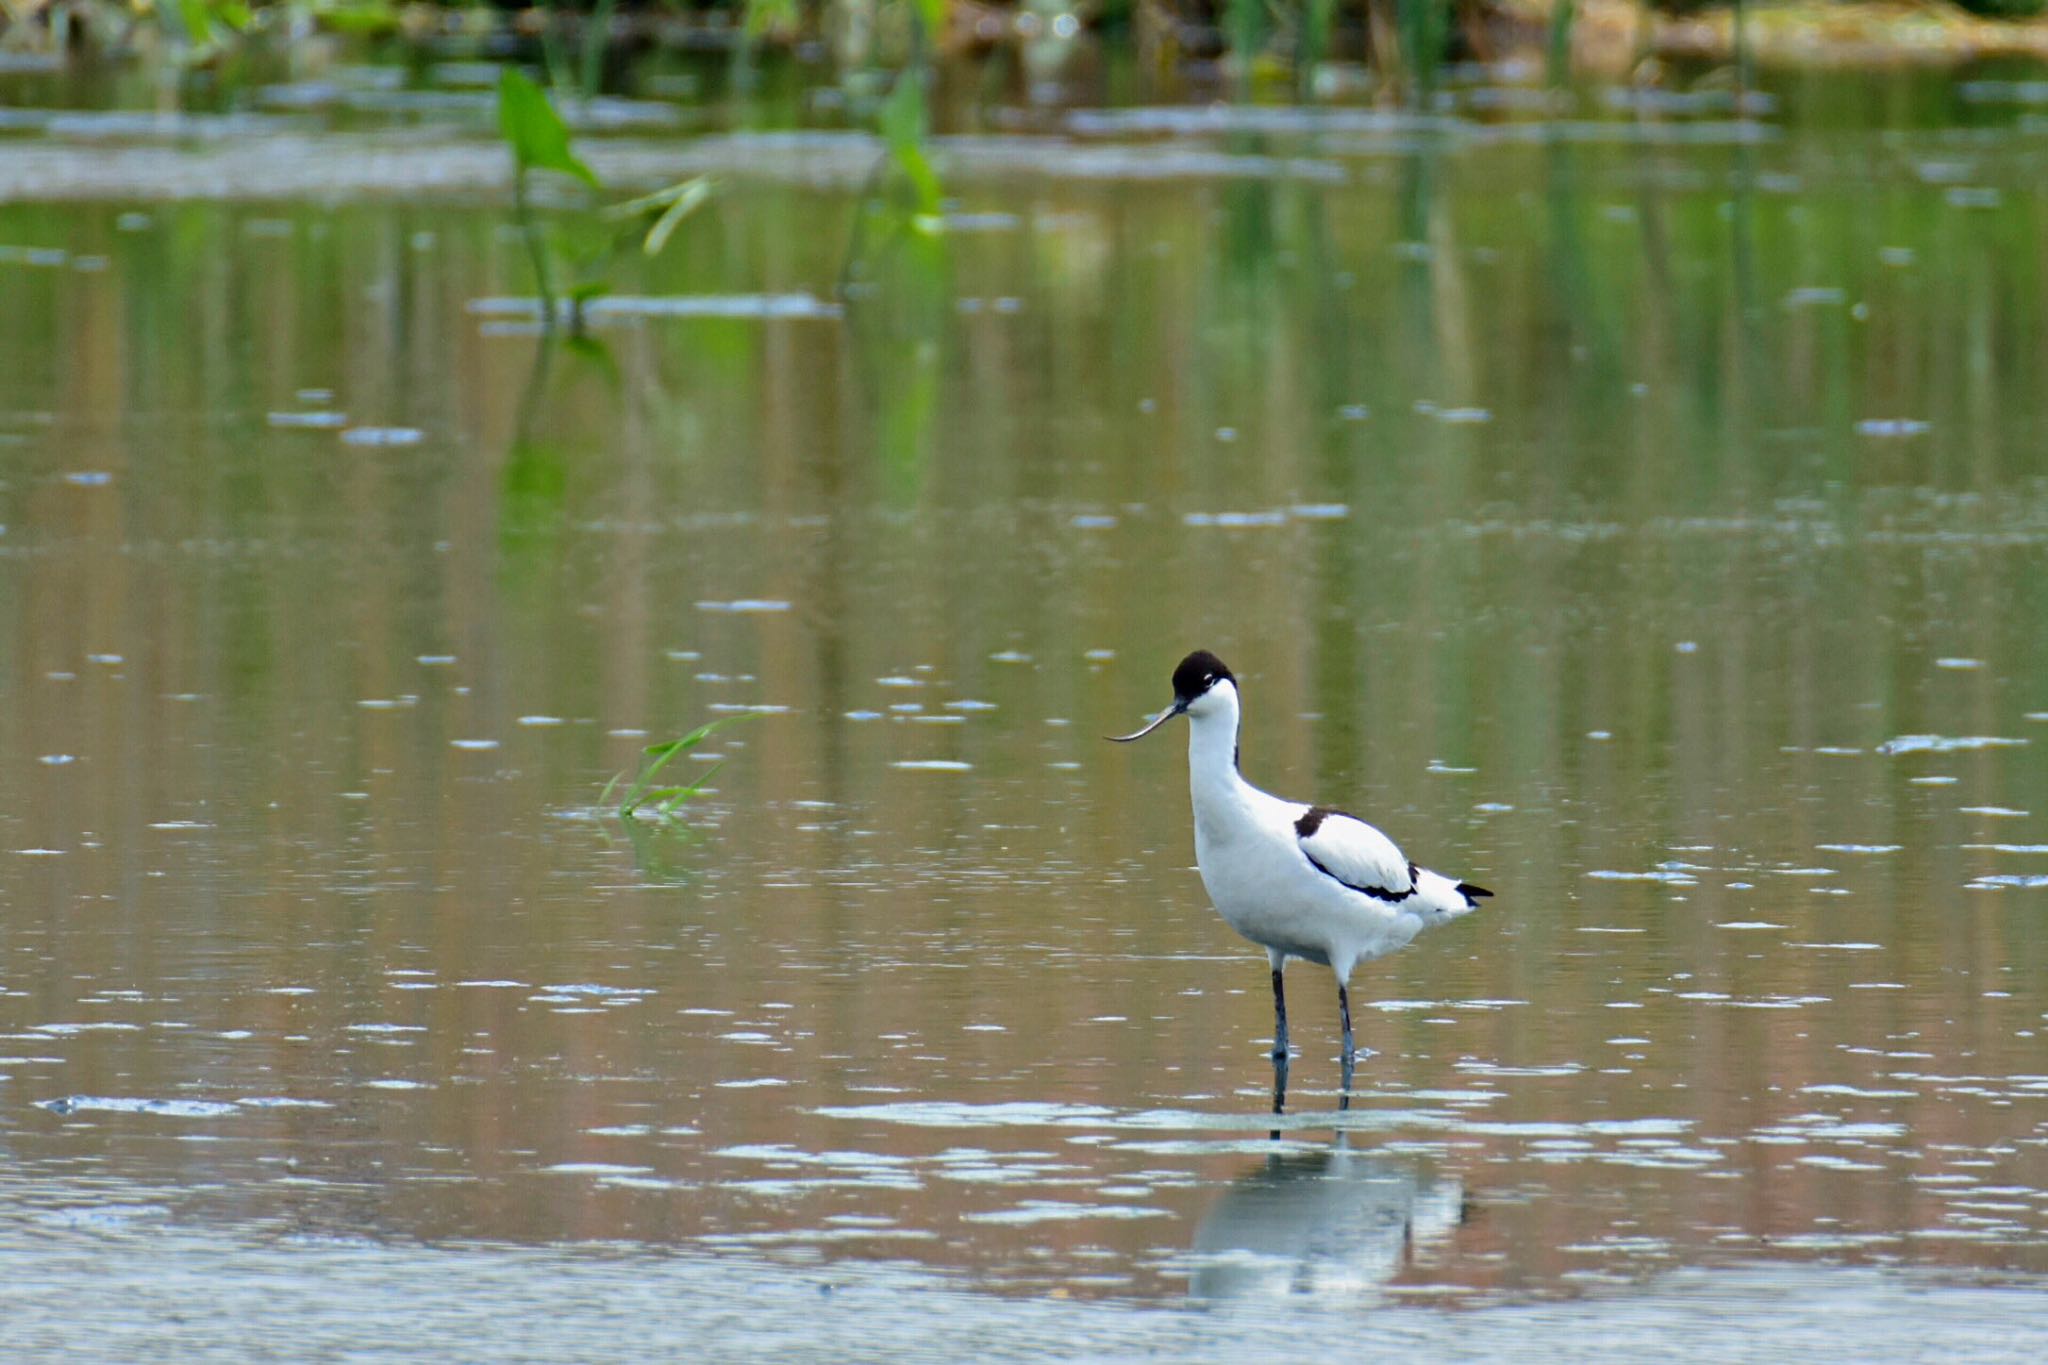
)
(1213, 778)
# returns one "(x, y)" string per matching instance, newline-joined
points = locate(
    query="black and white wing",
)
(1354, 853)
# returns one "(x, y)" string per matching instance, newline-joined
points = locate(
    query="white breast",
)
(1254, 873)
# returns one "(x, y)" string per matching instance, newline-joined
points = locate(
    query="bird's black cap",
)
(1199, 672)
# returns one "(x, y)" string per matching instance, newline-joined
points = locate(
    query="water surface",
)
(1647, 525)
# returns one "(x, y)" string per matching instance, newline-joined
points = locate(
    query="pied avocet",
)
(1300, 881)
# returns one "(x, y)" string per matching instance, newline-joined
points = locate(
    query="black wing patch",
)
(1312, 820)
(1378, 893)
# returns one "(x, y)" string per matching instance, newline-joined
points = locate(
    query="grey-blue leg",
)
(1344, 1008)
(1279, 1016)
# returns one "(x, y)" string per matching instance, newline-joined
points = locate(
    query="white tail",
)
(1447, 898)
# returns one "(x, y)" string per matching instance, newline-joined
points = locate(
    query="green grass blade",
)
(700, 734)
(660, 755)
(678, 795)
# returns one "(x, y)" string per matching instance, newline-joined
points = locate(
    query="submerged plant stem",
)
(522, 210)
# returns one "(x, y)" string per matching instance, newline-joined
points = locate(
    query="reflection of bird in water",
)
(1327, 1222)
(1321, 1222)
(1300, 881)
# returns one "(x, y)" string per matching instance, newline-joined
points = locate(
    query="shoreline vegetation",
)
(1362, 50)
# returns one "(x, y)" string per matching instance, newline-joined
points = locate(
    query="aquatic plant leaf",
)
(535, 132)
(201, 15)
(677, 795)
(648, 203)
(696, 736)
(205, 20)
(1563, 15)
(904, 119)
(905, 123)
(1312, 44)
(369, 17)
(1245, 22)
(933, 15)
(659, 756)
(673, 204)
(694, 193)
(763, 15)
(597, 35)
